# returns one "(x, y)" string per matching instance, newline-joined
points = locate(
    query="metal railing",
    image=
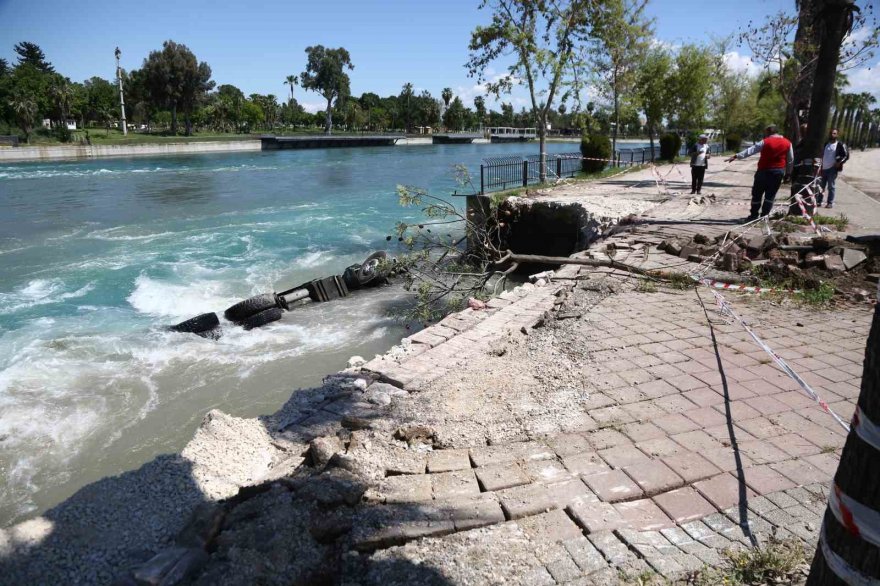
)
(500, 173)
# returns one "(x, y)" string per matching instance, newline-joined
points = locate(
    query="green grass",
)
(100, 136)
(771, 564)
(646, 286)
(816, 297)
(839, 222)
(679, 281)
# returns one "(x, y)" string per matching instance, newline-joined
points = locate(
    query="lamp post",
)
(121, 99)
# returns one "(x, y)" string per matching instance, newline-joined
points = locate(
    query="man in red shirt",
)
(775, 164)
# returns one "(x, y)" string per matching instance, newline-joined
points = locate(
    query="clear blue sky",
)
(254, 45)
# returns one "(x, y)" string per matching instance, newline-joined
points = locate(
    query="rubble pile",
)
(851, 264)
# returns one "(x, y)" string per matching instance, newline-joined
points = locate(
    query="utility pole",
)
(121, 99)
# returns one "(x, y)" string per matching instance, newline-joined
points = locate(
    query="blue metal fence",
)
(500, 173)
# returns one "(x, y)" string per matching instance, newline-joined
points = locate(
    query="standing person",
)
(699, 163)
(774, 165)
(834, 155)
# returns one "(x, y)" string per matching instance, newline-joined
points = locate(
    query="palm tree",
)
(446, 94)
(291, 80)
(25, 108)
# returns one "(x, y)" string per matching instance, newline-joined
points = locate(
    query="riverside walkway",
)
(588, 431)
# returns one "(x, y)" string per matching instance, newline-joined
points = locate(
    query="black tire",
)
(260, 319)
(366, 272)
(244, 309)
(197, 324)
(350, 276)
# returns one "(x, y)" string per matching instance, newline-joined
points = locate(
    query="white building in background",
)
(69, 123)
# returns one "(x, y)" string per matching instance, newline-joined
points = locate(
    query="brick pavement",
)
(688, 448)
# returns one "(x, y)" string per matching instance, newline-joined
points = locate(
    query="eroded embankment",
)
(168, 514)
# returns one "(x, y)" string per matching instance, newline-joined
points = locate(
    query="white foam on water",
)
(39, 292)
(160, 298)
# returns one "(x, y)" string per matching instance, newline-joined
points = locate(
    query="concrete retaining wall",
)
(51, 153)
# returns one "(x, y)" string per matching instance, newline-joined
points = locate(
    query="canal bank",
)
(590, 427)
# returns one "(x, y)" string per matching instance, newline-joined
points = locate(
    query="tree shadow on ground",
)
(743, 501)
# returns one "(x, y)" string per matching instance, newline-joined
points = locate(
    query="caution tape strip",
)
(745, 288)
(861, 521)
(725, 308)
(866, 429)
(841, 568)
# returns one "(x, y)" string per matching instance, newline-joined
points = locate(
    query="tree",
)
(291, 80)
(454, 117)
(31, 54)
(652, 89)
(407, 103)
(622, 34)
(446, 94)
(480, 107)
(24, 108)
(542, 38)
(691, 86)
(100, 96)
(786, 46)
(325, 74)
(176, 80)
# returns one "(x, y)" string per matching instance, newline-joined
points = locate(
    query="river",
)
(97, 256)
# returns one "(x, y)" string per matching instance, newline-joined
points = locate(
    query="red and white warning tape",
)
(866, 429)
(726, 309)
(861, 521)
(745, 288)
(841, 568)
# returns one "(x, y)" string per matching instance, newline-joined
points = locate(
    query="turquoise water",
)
(97, 256)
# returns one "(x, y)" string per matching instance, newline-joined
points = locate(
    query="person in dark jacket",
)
(699, 163)
(777, 158)
(834, 155)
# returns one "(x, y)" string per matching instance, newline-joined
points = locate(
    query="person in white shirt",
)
(834, 155)
(699, 163)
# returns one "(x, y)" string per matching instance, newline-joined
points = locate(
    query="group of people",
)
(774, 166)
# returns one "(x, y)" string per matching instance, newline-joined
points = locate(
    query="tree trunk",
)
(835, 14)
(858, 476)
(542, 146)
(806, 48)
(328, 118)
(651, 139)
(174, 119)
(187, 124)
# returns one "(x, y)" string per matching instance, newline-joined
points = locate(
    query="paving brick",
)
(613, 486)
(569, 443)
(826, 462)
(587, 463)
(697, 440)
(706, 417)
(607, 438)
(684, 505)
(762, 451)
(653, 477)
(727, 458)
(660, 447)
(596, 516)
(473, 513)
(764, 480)
(565, 493)
(656, 388)
(615, 551)
(407, 488)
(801, 472)
(691, 466)
(455, 484)
(585, 555)
(675, 423)
(447, 460)
(496, 454)
(564, 570)
(739, 410)
(546, 471)
(638, 432)
(539, 576)
(550, 527)
(623, 455)
(701, 532)
(501, 476)
(526, 500)
(723, 491)
(768, 405)
(643, 515)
